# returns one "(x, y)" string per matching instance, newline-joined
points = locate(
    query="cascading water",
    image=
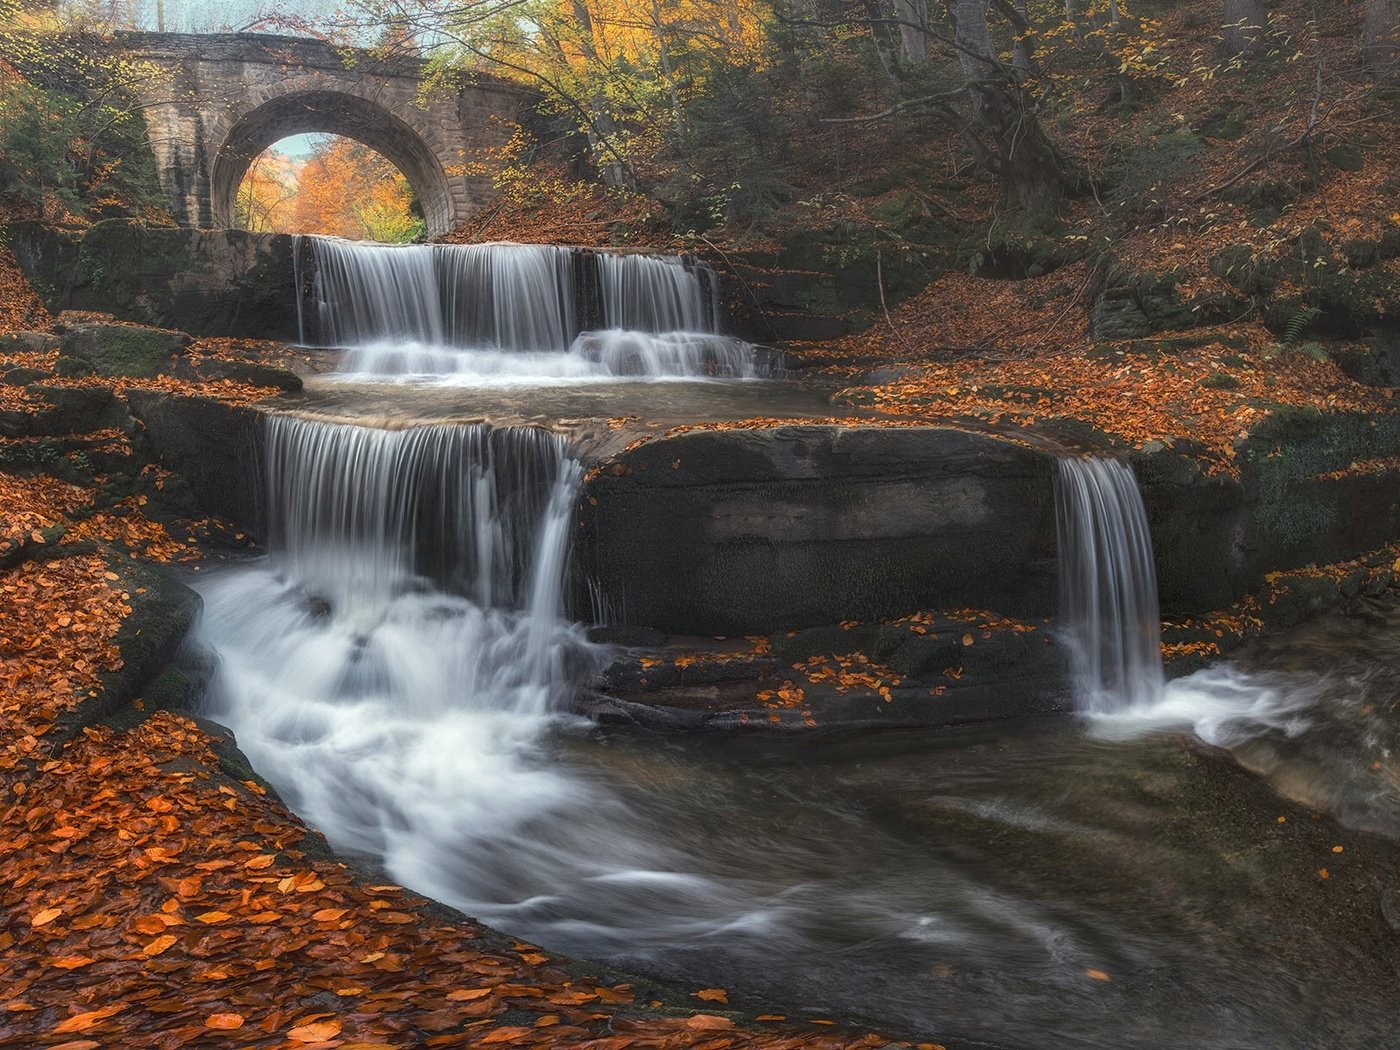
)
(657, 293)
(512, 312)
(506, 296)
(394, 659)
(1108, 586)
(1112, 624)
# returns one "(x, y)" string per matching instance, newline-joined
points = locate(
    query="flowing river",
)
(1144, 874)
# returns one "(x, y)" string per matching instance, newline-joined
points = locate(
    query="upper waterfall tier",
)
(516, 297)
(506, 313)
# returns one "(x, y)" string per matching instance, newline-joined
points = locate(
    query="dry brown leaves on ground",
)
(151, 898)
(57, 635)
(29, 505)
(1139, 397)
(20, 308)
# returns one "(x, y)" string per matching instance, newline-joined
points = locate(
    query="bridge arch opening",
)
(329, 185)
(333, 113)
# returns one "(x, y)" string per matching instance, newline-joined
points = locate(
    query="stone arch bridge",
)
(224, 98)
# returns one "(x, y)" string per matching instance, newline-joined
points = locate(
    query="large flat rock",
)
(748, 531)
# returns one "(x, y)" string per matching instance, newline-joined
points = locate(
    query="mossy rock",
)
(27, 342)
(1240, 267)
(1346, 157)
(1137, 305)
(1361, 254)
(124, 350)
(1352, 301)
(1365, 365)
(1226, 121)
(20, 376)
(1296, 515)
(1220, 381)
(77, 410)
(897, 212)
(1267, 197)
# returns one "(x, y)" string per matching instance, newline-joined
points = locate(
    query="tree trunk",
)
(877, 18)
(602, 126)
(1030, 168)
(1382, 46)
(973, 39)
(666, 69)
(1246, 23)
(912, 16)
(1021, 49)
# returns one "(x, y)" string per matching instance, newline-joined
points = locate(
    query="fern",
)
(1298, 323)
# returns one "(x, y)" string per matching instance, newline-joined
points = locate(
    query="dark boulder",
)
(217, 448)
(209, 282)
(76, 410)
(249, 372)
(740, 531)
(27, 342)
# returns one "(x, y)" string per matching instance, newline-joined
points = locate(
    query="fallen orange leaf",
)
(83, 1021)
(504, 1035)
(316, 1032)
(157, 946)
(708, 1021)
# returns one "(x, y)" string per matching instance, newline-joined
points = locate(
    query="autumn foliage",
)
(342, 189)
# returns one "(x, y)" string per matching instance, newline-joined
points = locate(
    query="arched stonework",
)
(222, 99)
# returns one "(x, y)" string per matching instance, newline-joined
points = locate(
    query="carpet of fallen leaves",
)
(57, 635)
(20, 309)
(33, 504)
(1136, 396)
(152, 900)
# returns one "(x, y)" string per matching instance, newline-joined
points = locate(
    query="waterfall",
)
(658, 293)
(365, 514)
(393, 661)
(1108, 586)
(502, 312)
(506, 296)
